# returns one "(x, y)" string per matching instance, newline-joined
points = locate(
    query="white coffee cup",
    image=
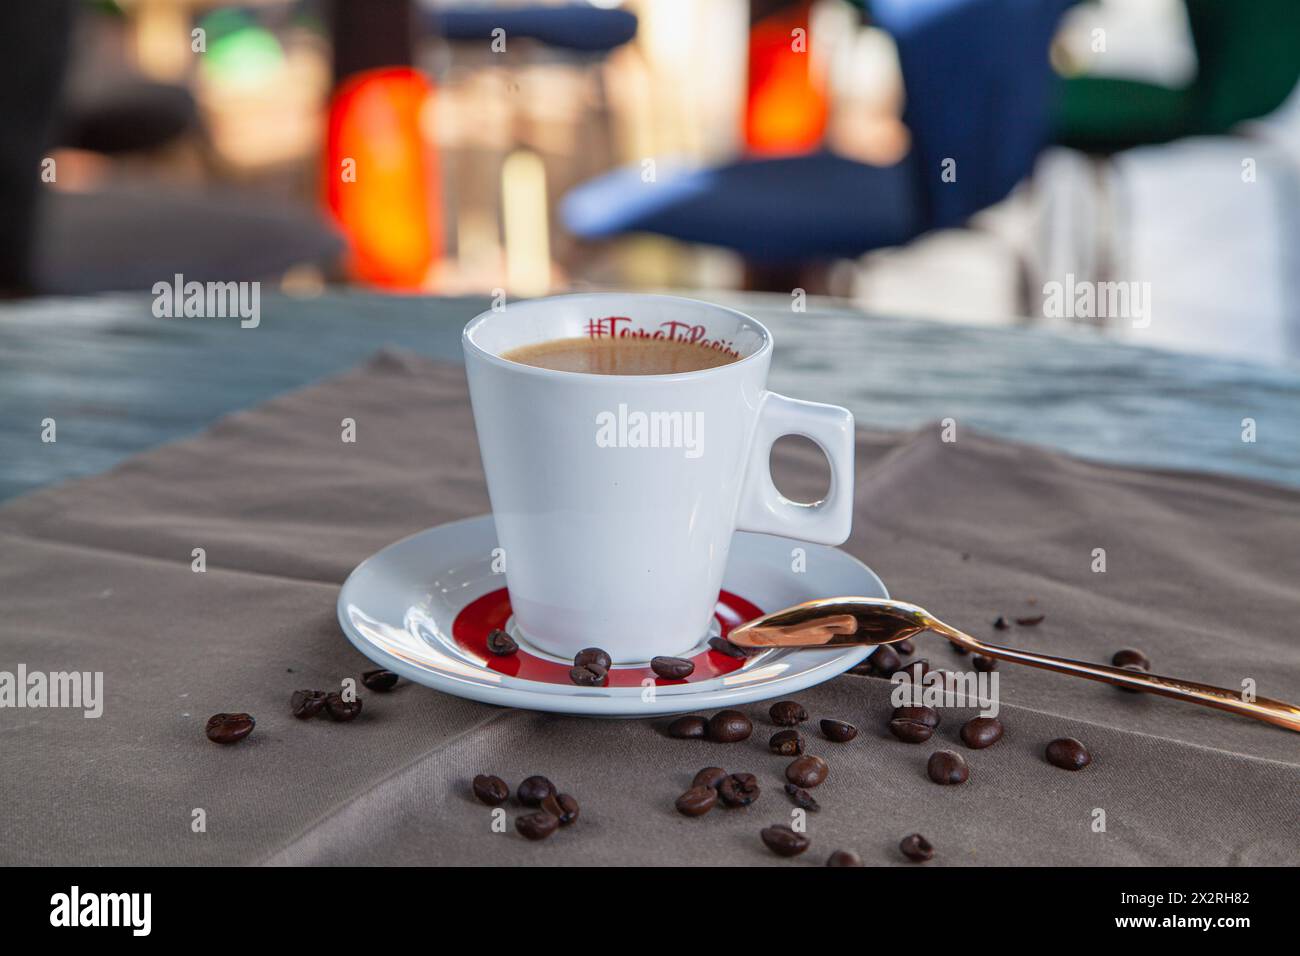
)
(607, 540)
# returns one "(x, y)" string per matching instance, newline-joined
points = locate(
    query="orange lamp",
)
(381, 177)
(786, 105)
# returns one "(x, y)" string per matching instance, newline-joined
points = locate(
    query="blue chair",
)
(578, 27)
(979, 91)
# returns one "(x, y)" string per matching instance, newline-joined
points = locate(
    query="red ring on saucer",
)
(478, 618)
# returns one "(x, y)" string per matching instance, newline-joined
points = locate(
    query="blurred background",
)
(973, 161)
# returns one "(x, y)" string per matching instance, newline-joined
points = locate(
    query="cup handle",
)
(763, 508)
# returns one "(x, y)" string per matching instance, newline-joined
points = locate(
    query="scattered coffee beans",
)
(916, 848)
(1068, 754)
(491, 790)
(1033, 621)
(787, 743)
(307, 703)
(885, 660)
(697, 801)
(561, 806)
(844, 858)
(1130, 656)
(500, 643)
(672, 668)
(914, 671)
(904, 647)
(537, 826)
(982, 663)
(342, 710)
(958, 649)
(729, 727)
(592, 655)
(534, 790)
(688, 728)
(787, 713)
(229, 728)
(738, 789)
(839, 731)
(724, 646)
(1001, 623)
(947, 767)
(1137, 669)
(980, 732)
(802, 798)
(589, 675)
(379, 680)
(783, 841)
(709, 777)
(914, 725)
(807, 771)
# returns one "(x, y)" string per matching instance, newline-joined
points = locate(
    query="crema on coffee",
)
(619, 356)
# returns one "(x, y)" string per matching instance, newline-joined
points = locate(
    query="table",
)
(118, 381)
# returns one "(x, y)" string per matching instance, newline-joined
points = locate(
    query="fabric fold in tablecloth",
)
(96, 576)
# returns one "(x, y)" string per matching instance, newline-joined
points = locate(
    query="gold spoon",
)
(836, 622)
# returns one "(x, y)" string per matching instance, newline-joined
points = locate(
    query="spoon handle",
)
(1261, 708)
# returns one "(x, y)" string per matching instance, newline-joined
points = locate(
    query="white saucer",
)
(422, 607)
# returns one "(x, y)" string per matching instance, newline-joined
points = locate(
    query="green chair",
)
(1248, 55)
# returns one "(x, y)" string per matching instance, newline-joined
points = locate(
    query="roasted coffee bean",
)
(534, 790)
(738, 789)
(1033, 621)
(914, 725)
(787, 713)
(342, 710)
(787, 743)
(885, 660)
(537, 826)
(688, 728)
(500, 643)
(491, 790)
(379, 680)
(589, 675)
(783, 841)
(724, 646)
(1135, 668)
(926, 715)
(589, 656)
(916, 848)
(905, 648)
(844, 858)
(980, 732)
(729, 727)
(229, 728)
(914, 671)
(307, 703)
(807, 772)
(910, 731)
(1068, 754)
(1001, 623)
(561, 806)
(947, 767)
(672, 668)
(802, 798)
(1130, 656)
(709, 777)
(697, 801)
(958, 649)
(982, 663)
(839, 731)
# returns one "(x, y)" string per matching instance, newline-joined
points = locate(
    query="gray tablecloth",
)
(96, 576)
